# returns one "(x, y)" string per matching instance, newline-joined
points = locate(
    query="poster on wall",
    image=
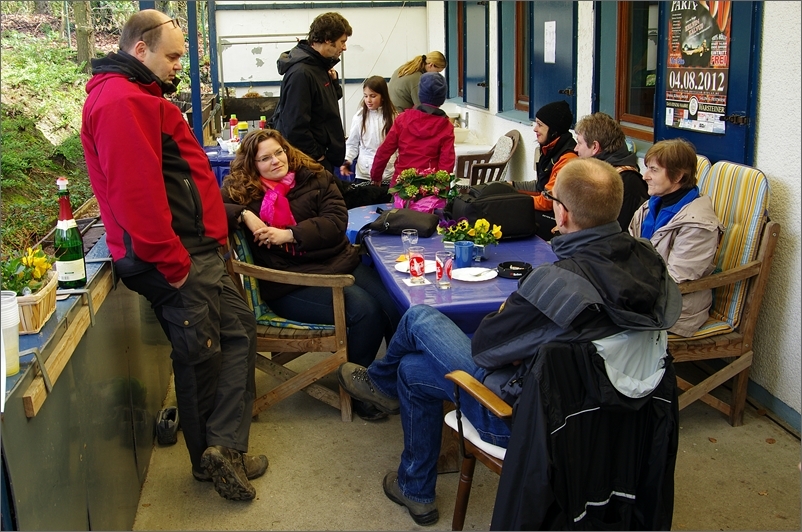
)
(697, 70)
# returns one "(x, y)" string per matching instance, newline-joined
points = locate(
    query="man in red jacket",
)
(165, 225)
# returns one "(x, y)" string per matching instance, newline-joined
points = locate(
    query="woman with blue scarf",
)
(681, 224)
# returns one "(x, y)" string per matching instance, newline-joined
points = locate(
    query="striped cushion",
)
(702, 171)
(711, 327)
(740, 198)
(264, 316)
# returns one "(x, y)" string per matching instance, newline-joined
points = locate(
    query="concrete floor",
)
(326, 475)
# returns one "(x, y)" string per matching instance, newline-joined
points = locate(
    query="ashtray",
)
(514, 269)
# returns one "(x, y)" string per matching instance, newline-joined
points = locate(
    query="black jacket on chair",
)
(582, 456)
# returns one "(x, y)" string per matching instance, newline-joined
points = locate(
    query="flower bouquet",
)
(423, 190)
(31, 277)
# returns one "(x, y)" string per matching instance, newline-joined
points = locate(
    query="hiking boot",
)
(355, 380)
(255, 467)
(226, 469)
(367, 411)
(424, 514)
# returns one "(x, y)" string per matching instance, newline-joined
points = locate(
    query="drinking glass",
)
(409, 237)
(417, 265)
(444, 262)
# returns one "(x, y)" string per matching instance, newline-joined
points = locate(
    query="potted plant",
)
(453, 231)
(480, 234)
(31, 276)
(483, 236)
(423, 190)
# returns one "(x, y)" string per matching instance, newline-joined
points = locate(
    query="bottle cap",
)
(62, 183)
(262, 117)
(233, 116)
(242, 125)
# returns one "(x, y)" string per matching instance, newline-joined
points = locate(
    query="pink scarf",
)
(275, 209)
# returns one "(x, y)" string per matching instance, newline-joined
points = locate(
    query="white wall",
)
(776, 364)
(382, 40)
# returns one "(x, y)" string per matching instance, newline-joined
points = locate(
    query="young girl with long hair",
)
(369, 127)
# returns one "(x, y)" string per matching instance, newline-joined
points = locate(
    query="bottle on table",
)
(232, 127)
(68, 244)
(242, 130)
(262, 122)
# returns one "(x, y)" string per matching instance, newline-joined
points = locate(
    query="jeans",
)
(213, 336)
(425, 347)
(370, 313)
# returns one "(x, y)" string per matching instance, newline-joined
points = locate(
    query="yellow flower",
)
(463, 225)
(497, 231)
(482, 225)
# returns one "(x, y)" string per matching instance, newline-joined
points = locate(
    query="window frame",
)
(637, 126)
(522, 38)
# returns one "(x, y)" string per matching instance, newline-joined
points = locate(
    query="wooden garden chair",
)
(280, 341)
(740, 197)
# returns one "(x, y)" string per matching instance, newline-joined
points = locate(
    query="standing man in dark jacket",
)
(307, 114)
(599, 136)
(165, 225)
(604, 283)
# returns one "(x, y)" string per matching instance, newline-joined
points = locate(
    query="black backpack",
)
(499, 203)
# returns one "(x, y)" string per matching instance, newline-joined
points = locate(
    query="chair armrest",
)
(300, 279)
(481, 393)
(733, 275)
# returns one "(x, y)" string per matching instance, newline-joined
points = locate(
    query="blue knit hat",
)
(432, 89)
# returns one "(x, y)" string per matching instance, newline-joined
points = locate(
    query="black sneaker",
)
(225, 467)
(355, 380)
(422, 514)
(255, 467)
(367, 411)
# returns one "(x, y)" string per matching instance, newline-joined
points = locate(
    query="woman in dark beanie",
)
(552, 124)
(423, 136)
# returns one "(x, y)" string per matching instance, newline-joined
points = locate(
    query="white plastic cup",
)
(9, 319)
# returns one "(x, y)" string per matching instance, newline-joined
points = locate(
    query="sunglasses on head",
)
(173, 20)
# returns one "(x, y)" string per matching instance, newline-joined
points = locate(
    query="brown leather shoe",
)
(255, 467)
(226, 468)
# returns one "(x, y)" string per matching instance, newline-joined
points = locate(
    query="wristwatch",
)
(241, 217)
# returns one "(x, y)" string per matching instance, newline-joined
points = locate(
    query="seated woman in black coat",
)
(291, 209)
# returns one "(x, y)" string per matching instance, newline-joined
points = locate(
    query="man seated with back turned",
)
(599, 136)
(603, 283)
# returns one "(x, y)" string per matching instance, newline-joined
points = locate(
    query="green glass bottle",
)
(68, 243)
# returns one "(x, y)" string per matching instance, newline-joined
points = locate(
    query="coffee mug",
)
(463, 254)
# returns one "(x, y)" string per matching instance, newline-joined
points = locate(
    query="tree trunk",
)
(84, 34)
(41, 8)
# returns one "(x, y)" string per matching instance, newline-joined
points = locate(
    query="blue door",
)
(553, 63)
(476, 90)
(738, 141)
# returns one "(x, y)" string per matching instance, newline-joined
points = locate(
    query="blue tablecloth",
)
(466, 303)
(360, 216)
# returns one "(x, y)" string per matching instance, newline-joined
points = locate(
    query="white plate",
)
(473, 274)
(429, 266)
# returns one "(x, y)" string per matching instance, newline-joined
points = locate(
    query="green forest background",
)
(42, 90)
